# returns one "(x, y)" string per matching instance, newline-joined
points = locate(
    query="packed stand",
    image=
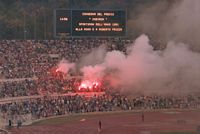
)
(18, 88)
(29, 58)
(21, 59)
(61, 105)
(25, 59)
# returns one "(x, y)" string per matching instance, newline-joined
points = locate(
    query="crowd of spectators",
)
(21, 59)
(28, 58)
(61, 105)
(26, 70)
(18, 88)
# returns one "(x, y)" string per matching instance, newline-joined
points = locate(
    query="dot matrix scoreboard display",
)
(88, 23)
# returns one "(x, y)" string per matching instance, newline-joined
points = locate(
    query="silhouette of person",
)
(142, 117)
(10, 123)
(99, 128)
(99, 125)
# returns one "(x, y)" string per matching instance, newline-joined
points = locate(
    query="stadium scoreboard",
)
(62, 23)
(101, 23)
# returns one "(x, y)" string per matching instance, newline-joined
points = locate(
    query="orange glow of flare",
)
(57, 70)
(88, 85)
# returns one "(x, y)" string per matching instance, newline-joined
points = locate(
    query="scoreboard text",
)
(89, 23)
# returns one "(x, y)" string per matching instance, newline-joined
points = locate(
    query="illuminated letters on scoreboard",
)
(90, 22)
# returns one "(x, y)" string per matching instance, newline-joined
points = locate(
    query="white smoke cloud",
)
(64, 66)
(169, 20)
(176, 69)
(95, 57)
(93, 72)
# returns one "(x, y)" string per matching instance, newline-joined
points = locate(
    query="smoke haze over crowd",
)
(168, 20)
(143, 69)
(176, 69)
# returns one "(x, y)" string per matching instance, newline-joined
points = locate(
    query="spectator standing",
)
(99, 128)
(142, 116)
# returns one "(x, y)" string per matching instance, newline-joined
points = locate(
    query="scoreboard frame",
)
(56, 35)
